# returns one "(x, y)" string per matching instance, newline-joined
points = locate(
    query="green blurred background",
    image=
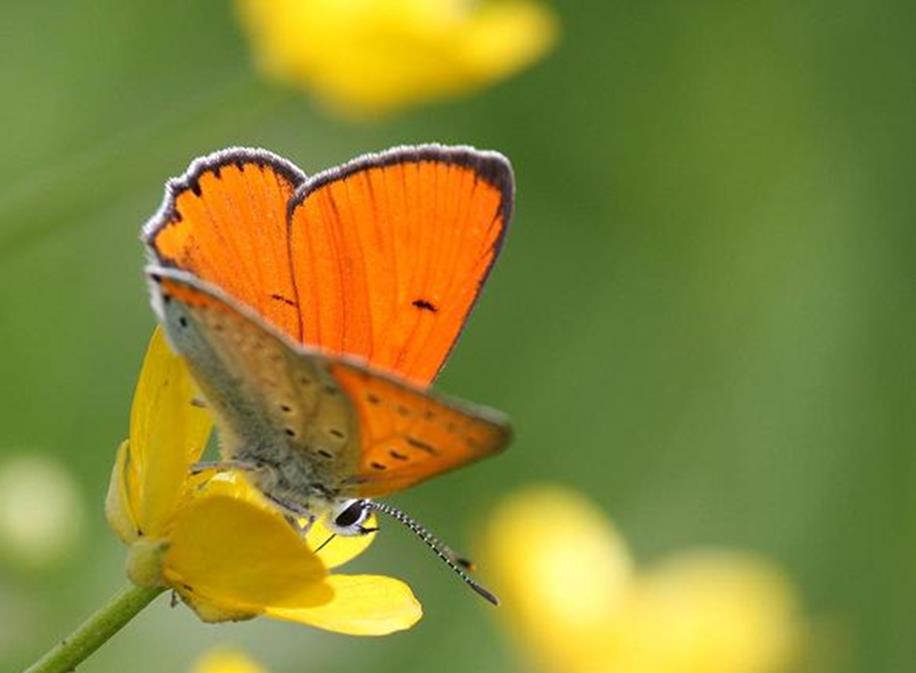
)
(702, 318)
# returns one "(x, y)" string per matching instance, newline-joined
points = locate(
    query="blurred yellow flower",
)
(225, 661)
(214, 540)
(41, 512)
(371, 56)
(577, 604)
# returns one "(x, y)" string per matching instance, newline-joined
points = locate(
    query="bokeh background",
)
(702, 319)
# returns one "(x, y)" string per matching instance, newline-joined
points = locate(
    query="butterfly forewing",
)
(381, 259)
(225, 222)
(389, 253)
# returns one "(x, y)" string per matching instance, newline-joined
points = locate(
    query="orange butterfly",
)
(314, 312)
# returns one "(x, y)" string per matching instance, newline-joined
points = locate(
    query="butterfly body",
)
(313, 313)
(280, 413)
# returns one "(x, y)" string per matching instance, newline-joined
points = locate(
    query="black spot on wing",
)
(425, 305)
(423, 446)
(285, 300)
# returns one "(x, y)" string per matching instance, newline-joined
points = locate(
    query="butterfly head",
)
(348, 516)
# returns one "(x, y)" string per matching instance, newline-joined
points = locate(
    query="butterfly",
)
(314, 313)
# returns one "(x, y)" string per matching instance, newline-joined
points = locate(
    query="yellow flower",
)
(370, 56)
(214, 540)
(577, 603)
(42, 515)
(225, 661)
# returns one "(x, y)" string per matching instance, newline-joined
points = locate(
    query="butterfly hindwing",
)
(408, 435)
(350, 429)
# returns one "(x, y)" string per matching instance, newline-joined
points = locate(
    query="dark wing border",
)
(190, 180)
(490, 166)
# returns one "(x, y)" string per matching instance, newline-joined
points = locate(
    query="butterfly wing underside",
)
(355, 430)
(409, 435)
(273, 405)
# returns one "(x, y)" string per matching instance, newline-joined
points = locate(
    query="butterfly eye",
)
(348, 517)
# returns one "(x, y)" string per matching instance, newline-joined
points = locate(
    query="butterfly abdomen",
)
(286, 479)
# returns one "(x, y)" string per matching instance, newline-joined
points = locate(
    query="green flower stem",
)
(90, 635)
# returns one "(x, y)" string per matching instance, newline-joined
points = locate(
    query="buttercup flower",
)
(370, 56)
(577, 603)
(41, 512)
(214, 540)
(226, 661)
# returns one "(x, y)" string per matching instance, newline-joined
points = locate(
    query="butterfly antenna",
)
(325, 543)
(444, 552)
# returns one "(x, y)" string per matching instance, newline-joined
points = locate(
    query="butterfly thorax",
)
(282, 472)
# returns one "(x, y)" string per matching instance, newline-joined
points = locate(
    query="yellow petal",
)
(562, 572)
(215, 613)
(342, 548)
(239, 557)
(362, 605)
(503, 37)
(712, 613)
(394, 54)
(553, 553)
(167, 435)
(118, 509)
(337, 552)
(226, 661)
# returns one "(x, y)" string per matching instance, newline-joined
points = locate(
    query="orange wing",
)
(390, 251)
(225, 221)
(380, 436)
(408, 435)
(382, 258)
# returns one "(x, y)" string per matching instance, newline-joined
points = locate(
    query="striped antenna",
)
(444, 552)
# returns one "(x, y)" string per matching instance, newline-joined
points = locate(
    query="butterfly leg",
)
(301, 524)
(300, 518)
(222, 466)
